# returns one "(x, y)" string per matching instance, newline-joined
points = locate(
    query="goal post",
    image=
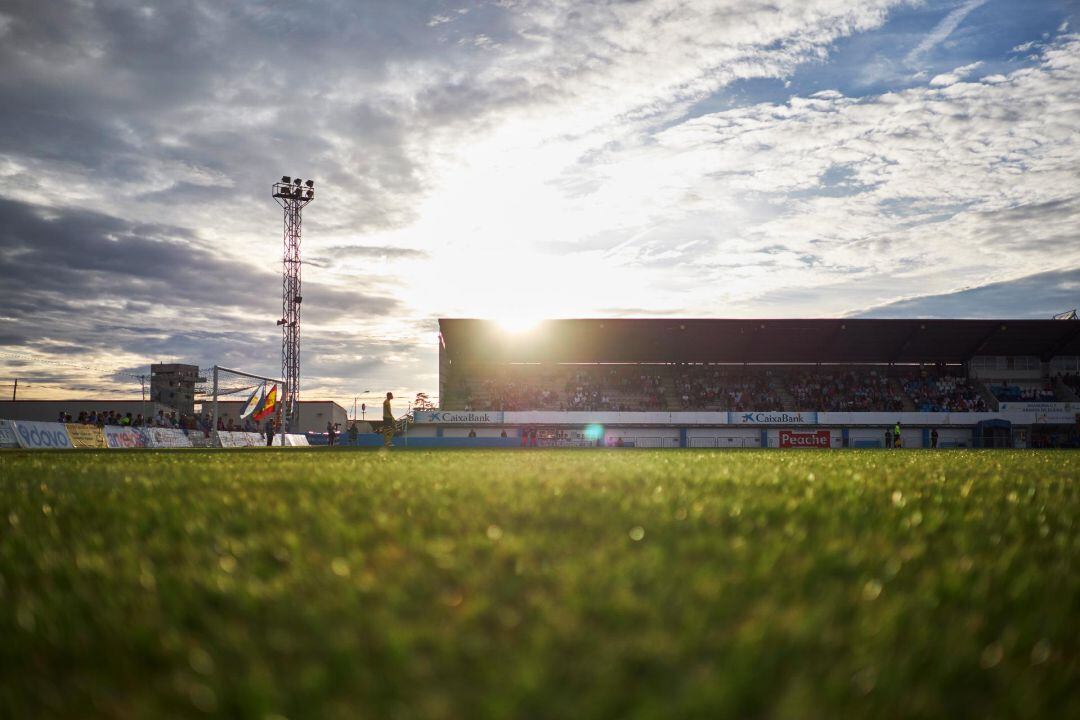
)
(231, 385)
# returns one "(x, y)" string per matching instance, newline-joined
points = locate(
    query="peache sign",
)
(815, 439)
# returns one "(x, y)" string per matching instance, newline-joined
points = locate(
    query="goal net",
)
(242, 402)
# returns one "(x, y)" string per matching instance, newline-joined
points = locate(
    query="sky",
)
(517, 160)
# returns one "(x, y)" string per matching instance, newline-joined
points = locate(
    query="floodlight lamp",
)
(280, 322)
(298, 181)
(299, 299)
(310, 194)
(310, 183)
(286, 179)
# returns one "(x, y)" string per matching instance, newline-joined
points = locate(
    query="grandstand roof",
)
(758, 341)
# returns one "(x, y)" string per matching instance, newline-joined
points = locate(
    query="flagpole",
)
(215, 440)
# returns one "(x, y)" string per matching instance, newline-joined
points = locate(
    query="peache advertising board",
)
(772, 418)
(42, 435)
(458, 417)
(811, 439)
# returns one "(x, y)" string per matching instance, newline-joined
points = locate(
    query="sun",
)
(517, 323)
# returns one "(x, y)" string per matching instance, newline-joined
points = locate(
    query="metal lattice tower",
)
(292, 195)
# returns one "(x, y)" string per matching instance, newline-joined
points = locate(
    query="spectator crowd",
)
(740, 388)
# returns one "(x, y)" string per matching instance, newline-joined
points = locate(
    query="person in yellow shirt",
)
(388, 421)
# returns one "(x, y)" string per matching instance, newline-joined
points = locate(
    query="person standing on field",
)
(269, 427)
(331, 433)
(933, 438)
(388, 421)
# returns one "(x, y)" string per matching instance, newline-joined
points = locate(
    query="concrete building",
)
(49, 410)
(173, 385)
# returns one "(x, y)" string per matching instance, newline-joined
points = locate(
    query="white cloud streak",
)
(943, 30)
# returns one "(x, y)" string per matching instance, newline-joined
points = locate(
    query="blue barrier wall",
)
(370, 440)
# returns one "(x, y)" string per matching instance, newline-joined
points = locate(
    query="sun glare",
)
(517, 323)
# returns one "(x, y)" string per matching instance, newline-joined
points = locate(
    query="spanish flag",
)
(267, 405)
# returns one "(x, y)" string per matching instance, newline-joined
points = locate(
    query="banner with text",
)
(458, 417)
(168, 438)
(235, 439)
(86, 436)
(1040, 407)
(772, 418)
(123, 438)
(810, 439)
(42, 435)
(7, 435)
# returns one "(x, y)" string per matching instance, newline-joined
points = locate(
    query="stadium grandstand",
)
(930, 372)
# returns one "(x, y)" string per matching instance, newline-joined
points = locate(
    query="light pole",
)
(355, 398)
(292, 194)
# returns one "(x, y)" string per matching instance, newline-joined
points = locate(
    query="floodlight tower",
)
(292, 195)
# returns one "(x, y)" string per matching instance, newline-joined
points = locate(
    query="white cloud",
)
(942, 30)
(951, 78)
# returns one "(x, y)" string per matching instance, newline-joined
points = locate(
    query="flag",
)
(267, 405)
(254, 401)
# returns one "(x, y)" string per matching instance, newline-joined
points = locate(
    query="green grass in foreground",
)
(550, 584)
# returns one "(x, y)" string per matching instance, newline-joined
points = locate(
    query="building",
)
(173, 385)
(758, 383)
(49, 410)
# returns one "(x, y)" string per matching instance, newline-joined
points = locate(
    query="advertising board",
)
(42, 435)
(1040, 407)
(234, 439)
(810, 439)
(167, 438)
(7, 435)
(296, 441)
(773, 418)
(466, 417)
(86, 436)
(122, 438)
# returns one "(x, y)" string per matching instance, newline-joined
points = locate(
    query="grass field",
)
(540, 584)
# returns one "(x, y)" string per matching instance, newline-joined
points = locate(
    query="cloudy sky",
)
(517, 159)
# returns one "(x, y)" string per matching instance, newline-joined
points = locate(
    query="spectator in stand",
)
(221, 423)
(126, 420)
